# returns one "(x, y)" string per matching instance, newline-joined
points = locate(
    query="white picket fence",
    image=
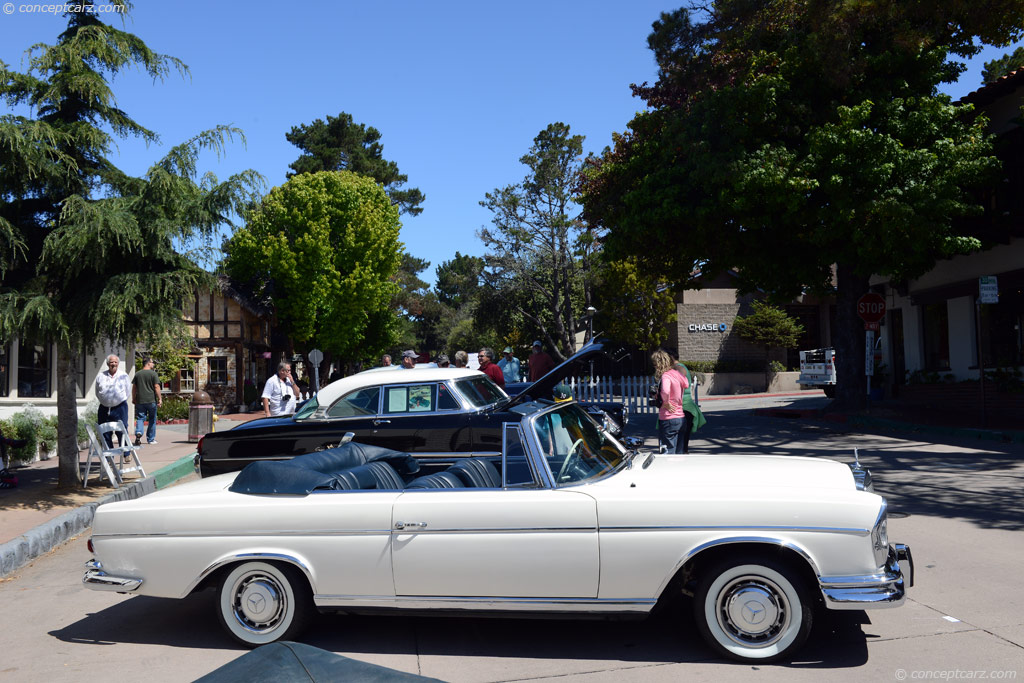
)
(630, 391)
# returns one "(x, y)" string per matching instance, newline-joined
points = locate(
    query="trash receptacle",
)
(200, 416)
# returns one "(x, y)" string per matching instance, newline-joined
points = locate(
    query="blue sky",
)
(458, 90)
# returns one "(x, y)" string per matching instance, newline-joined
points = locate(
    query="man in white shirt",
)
(112, 390)
(281, 392)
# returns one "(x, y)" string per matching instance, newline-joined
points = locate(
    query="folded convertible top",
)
(324, 471)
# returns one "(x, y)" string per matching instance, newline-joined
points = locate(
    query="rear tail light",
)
(89, 545)
(199, 446)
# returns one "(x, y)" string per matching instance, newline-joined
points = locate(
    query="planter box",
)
(730, 383)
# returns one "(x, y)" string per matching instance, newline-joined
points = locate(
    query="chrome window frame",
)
(538, 479)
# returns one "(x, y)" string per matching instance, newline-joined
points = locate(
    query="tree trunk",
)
(69, 474)
(848, 340)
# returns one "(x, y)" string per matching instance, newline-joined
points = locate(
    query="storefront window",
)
(1001, 335)
(34, 370)
(5, 361)
(935, 326)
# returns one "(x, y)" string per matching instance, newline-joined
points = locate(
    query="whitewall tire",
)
(260, 603)
(753, 609)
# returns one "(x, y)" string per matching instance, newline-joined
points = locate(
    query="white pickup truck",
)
(818, 369)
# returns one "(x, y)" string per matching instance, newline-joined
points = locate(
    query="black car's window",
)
(411, 398)
(355, 403)
(307, 409)
(480, 391)
(445, 400)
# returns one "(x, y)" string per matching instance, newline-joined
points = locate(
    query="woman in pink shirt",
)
(670, 415)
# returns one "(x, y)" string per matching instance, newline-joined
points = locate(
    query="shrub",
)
(21, 426)
(173, 408)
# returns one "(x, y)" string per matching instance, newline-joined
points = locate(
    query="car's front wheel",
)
(261, 603)
(753, 610)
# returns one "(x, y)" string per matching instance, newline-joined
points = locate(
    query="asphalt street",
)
(957, 503)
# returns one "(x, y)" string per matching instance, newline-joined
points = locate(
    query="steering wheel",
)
(568, 459)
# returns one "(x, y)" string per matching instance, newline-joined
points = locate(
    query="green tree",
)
(459, 280)
(785, 137)
(90, 254)
(770, 328)
(538, 249)
(1003, 66)
(340, 144)
(635, 308)
(325, 247)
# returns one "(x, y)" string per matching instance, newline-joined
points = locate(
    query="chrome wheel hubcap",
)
(753, 611)
(259, 602)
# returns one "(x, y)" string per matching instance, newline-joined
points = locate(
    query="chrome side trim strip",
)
(807, 529)
(256, 532)
(496, 530)
(591, 605)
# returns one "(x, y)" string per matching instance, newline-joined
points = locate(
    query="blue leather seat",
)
(474, 473)
(372, 475)
(440, 480)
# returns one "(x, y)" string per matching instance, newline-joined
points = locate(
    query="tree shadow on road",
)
(980, 482)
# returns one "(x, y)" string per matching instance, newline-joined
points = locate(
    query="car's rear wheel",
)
(753, 609)
(259, 603)
(830, 390)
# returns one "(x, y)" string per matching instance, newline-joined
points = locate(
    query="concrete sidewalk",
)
(36, 516)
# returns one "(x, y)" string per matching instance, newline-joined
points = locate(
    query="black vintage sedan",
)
(432, 412)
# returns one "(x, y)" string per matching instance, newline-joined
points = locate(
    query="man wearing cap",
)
(409, 359)
(442, 361)
(509, 366)
(540, 362)
(487, 366)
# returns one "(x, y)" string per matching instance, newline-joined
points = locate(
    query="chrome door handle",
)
(381, 422)
(416, 525)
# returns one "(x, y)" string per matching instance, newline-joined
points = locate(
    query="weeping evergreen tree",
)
(88, 252)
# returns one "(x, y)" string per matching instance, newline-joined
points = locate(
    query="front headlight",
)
(880, 536)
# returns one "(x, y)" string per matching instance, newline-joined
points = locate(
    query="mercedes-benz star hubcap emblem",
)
(257, 603)
(753, 612)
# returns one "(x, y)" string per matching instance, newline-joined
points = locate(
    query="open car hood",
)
(542, 388)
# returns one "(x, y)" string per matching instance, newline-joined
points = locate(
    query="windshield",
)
(307, 409)
(575, 448)
(480, 391)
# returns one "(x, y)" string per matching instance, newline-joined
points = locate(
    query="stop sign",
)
(871, 307)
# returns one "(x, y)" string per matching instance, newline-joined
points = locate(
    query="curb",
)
(48, 535)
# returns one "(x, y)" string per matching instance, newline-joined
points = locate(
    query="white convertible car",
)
(566, 521)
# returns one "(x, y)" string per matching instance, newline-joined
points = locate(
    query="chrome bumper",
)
(98, 580)
(888, 588)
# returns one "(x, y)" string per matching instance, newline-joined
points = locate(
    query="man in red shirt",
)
(540, 362)
(489, 367)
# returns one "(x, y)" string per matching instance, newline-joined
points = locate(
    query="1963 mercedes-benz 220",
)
(566, 520)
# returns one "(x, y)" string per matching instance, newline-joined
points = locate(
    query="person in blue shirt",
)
(510, 366)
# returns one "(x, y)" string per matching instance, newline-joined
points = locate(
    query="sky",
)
(458, 90)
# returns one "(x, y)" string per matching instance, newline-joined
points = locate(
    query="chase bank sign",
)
(707, 327)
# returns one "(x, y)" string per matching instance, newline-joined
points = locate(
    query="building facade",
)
(939, 325)
(231, 334)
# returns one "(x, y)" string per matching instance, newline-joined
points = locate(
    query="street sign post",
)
(988, 290)
(871, 309)
(315, 356)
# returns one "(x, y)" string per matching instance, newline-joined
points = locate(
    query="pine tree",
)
(88, 251)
